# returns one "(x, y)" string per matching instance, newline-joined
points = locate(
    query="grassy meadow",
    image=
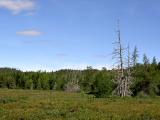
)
(49, 105)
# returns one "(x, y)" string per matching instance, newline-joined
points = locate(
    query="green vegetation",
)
(81, 94)
(99, 83)
(50, 105)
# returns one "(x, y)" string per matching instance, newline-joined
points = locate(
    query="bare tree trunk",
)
(123, 80)
(118, 54)
(129, 74)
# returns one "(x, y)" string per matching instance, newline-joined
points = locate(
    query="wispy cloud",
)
(29, 33)
(61, 55)
(17, 6)
(102, 56)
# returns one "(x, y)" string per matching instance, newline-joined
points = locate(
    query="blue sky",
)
(56, 34)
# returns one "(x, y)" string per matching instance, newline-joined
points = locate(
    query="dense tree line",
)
(91, 81)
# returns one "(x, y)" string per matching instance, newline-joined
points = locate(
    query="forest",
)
(100, 83)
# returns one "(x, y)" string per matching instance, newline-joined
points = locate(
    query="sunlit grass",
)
(49, 105)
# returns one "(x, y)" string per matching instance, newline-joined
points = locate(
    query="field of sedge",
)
(50, 105)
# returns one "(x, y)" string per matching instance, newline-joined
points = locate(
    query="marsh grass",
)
(49, 105)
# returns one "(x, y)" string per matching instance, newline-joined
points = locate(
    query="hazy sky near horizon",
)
(57, 34)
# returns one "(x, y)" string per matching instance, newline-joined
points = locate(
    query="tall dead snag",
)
(129, 77)
(118, 55)
(122, 79)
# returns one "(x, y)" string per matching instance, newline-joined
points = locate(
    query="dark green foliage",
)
(88, 79)
(100, 83)
(145, 60)
(154, 61)
(29, 84)
(103, 84)
(147, 80)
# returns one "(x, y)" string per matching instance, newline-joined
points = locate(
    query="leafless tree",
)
(129, 77)
(72, 85)
(123, 78)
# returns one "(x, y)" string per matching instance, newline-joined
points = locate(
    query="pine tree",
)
(154, 61)
(135, 56)
(145, 60)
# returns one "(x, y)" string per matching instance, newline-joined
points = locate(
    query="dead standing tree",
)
(123, 80)
(128, 77)
(72, 85)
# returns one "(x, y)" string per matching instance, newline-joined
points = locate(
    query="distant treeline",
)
(97, 82)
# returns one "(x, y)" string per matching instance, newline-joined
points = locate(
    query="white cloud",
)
(17, 6)
(29, 33)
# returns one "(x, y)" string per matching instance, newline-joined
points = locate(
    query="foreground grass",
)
(49, 105)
